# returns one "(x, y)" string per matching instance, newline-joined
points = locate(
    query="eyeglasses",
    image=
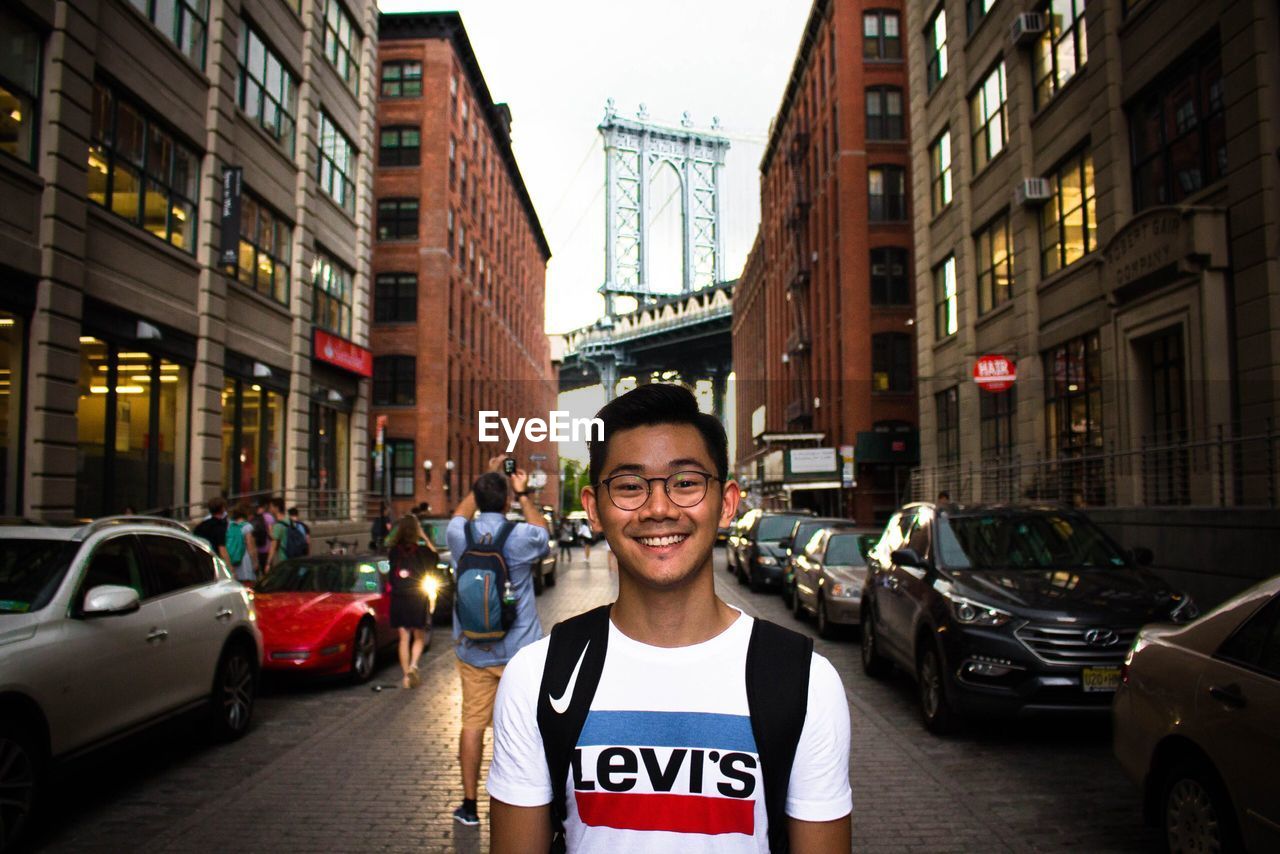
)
(631, 491)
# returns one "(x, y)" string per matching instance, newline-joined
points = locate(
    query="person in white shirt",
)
(666, 759)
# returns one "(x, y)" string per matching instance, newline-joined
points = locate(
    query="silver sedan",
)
(831, 570)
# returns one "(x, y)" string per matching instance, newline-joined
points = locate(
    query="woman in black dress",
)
(411, 556)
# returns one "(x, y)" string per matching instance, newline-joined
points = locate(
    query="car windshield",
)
(436, 529)
(30, 572)
(1024, 541)
(302, 575)
(805, 532)
(844, 550)
(775, 527)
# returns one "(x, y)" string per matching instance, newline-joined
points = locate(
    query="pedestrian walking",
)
(241, 547)
(584, 537)
(296, 521)
(213, 528)
(484, 650)
(565, 538)
(287, 539)
(411, 555)
(263, 520)
(585, 720)
(380, 530)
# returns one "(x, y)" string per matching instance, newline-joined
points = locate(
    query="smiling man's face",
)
(661, 544)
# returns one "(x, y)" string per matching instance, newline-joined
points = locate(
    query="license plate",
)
(1100, 679)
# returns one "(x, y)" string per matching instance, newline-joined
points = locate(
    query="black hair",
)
(659, 403)
(490, 490)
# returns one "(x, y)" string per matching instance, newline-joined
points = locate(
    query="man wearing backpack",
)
(287, 536)
(213, 528)
(668, 721)
(494, 616)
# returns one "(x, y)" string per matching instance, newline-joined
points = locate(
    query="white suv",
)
(106, 627)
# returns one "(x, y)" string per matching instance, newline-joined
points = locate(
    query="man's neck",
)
(683, 616)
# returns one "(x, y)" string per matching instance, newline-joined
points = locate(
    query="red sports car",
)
(325, 614)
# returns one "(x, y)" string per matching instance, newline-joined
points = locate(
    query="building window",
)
(267, 90)
(891, 362)
(1073, 416)
(1179, 134)
(880, 37)
(976, 12)
(401, 79)
(889, 283)
(997, 411)
(1060, 51)
(887, 193)
(337, 164)
(449, 233)
(19, 87)
(342, 43)
(1165, 460)
(994, 246)
(183, 22)
(13, 353)
(989, 119)
(940, 171)
(397, 219)
(395, 298)
(140, 171)
(331, 295)
(399, 468)
(393, 380)
(947, 406)
(399, 146)
(884, 113)
(253, 431)
(265, 249)
(935, 40)
(945, 300)
(1068, 221)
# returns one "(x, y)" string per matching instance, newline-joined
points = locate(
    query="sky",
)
(556, 62)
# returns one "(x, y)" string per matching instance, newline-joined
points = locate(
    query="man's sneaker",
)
(462, 815)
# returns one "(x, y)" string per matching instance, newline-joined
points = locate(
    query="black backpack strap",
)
(778, 662)
(500, 539)
(471, 537)
(575, 659)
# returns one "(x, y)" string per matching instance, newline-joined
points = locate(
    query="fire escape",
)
(799, 410)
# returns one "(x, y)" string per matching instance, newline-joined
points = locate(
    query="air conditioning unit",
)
(1026, 27)
(1031, 191)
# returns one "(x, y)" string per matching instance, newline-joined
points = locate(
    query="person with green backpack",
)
(668, 720)
(241, 548)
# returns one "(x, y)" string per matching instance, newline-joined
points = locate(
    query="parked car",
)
(326, 614)
(762, 551)
(1007, 609)
(801, 533)
(436, 529)
(735, 543)
(1197, 725)
(545, 576)
(831, 570)
(104, 628)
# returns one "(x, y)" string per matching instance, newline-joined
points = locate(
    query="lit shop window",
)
(253, 433)
(265, 249)
(1069, 220)
(1060, 51)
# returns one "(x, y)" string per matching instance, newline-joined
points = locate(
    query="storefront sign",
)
(341, 353)
(757, 421)
(1148, 245)
(994, 373)
(229, 245)
(810, 461)
(848, 477)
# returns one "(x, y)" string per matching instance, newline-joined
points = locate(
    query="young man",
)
(480, 664)
(295, 519)
(667, 757)
(213, 528)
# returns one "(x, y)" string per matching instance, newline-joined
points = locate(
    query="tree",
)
(576, 476)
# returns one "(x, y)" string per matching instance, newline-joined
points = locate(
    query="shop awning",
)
(899, 447)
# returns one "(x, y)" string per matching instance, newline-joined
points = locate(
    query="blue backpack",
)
(483, 604)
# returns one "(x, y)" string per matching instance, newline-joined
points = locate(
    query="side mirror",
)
(107, 600)
(907, 557)
(1142, 556)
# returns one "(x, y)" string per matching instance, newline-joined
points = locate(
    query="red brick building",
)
(823, 328)
(459, 264)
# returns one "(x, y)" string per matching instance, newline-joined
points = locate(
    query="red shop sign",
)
(994, 373)
(341, 353)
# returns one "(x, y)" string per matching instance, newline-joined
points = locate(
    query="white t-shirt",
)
(666, 760)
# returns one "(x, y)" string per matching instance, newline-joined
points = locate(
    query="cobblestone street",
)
(331, 767)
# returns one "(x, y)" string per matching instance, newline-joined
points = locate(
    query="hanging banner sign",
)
(229, 245)
(994, 373)
(847, 476)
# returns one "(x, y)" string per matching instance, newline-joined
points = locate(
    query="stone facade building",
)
(823, 336)
(151, 361)
(459, 265)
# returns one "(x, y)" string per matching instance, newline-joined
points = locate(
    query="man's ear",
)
(593, 510)
(729, 503)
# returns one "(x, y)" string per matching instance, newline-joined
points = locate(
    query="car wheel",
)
(874, 664)
(234, 689)
(364, 653)
(741, 574)
(551, 578)
(538, 583)
(930, 682)
(797, 605)
(1197, 811)
(19, 778)
(826, 629)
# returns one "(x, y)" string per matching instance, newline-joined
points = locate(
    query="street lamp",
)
(448, 474)
(426, 470)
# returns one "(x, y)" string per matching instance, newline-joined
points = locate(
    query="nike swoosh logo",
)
(560, 704)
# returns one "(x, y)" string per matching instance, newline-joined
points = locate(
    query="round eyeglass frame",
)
(666, 487)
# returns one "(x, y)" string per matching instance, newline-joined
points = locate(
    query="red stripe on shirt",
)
(675, 813)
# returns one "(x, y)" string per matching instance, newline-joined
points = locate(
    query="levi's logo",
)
(682, 772)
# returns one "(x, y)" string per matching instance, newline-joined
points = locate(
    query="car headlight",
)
(1185, 610)
(843, 590)
(970, 612)
(431, 586)
(766, 560)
